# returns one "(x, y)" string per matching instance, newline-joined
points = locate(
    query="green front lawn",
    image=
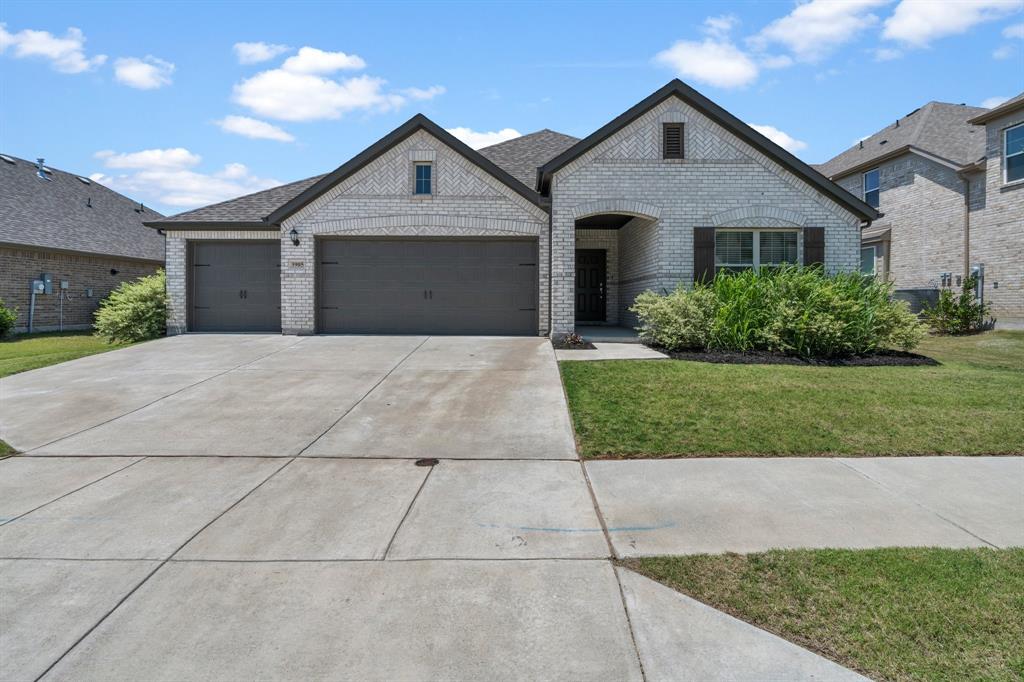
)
(971, 404)
(893, 614)
(32, 351)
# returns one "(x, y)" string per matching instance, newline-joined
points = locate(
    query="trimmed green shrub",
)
(8, 316)
(135, 311)
(791, 310)
(958, 314)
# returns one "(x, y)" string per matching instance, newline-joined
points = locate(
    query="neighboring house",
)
(949, 182)
(68, 229)
(421, 234)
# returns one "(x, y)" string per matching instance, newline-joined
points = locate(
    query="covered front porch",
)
(616, 259)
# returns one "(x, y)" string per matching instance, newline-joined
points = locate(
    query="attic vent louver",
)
(673, 141)
(7, 159)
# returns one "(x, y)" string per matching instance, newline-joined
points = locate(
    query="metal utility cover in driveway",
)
(428, 286)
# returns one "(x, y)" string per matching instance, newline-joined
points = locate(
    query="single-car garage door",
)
(428, 286)
(235, 286)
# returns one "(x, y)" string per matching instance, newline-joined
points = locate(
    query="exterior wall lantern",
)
(294, 234)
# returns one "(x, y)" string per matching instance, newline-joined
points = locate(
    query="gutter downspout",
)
(967, 224)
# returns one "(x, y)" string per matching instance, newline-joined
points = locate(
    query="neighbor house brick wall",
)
(721, 175)
(177, 268)
(378, 200)
(997, 227)
(923, 201)
(20, 265)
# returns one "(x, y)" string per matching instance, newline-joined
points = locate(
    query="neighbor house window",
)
(672, 141)
(424, 178)
(1013, 152)
(867, 260)
(871, 188)
(753, 249)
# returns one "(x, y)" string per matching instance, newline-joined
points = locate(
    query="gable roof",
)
(69, 212)
(938, 129)
(245, 212)
(723, 118)
(414, 124)
(522, 156)
(1006, 107)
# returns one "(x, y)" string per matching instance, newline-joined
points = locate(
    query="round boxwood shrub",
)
(135, 311)
(791, 310)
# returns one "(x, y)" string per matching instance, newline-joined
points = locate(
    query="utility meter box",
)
(63, 284)
(47, 283)
(38, 286)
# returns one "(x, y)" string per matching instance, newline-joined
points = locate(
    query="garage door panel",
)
(236, 286)
(428, 286)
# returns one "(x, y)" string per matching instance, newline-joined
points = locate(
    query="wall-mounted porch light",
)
(294, 234)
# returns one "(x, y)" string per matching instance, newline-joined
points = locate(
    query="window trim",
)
(1006, 157)
(416, 182)
(755, 263)
(874, 260)
(864, 187)
(664, 140)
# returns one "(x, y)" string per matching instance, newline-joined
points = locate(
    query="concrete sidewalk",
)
(695, 506)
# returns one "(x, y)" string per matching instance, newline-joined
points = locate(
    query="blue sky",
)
(183, 104)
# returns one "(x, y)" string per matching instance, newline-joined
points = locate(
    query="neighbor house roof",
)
(723, 118)
(522, 156)
(1012, 104)
(939, 130)
(69, 212)
(266, 209)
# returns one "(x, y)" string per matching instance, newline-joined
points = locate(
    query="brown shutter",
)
(703, 254)
(814, 246)
(672, 140)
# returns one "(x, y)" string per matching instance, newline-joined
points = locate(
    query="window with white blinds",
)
(752, 249)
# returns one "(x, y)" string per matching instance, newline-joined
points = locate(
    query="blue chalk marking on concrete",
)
(616, 529)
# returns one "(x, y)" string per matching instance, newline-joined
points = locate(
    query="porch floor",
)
(604, 334)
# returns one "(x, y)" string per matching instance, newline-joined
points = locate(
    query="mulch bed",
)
(564, 344)
(887, 358)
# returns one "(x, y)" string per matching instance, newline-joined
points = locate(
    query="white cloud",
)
(815, 29)
(166, 176)
(886, 54)
(66, 54)
(720, 26)
(175, 157)
(254, 53)
(918, 22)
(780, 61)
(478, 140)
(784, 140)
(424, 93)
(312, 60)
(993, 102)
(1004, 52)
(254, 128)
(148, 73)
(712, 61)
(1014, 31)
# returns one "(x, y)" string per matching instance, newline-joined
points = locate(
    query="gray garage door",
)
(420, 286)
(236, 286)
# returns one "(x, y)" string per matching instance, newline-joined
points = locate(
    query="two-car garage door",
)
(427, 286)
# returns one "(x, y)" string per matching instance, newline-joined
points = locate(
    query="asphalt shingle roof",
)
(71, 214)
(1006, 107)
(522, 156)
(937, 128)
(251, 208)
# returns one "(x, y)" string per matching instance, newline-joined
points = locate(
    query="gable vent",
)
(672, 134)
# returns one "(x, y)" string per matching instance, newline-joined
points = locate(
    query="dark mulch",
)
(569, 344)
(886, 358)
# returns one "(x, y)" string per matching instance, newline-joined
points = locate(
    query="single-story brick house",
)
(70, 230)
(421, 234)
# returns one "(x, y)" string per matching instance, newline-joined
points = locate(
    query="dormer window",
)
(871, 182)
(424, 179)
(1013, 153)
(672, 141)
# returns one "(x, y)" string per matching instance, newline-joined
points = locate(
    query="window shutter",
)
(672, 140)
(814, 246)
(703, 254)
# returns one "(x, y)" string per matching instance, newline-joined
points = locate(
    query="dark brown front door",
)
(591, 274)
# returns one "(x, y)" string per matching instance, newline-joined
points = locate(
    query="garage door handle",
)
(431, 294)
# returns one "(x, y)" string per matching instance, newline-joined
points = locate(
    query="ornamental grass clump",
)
(135, 311)
(789, 310)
